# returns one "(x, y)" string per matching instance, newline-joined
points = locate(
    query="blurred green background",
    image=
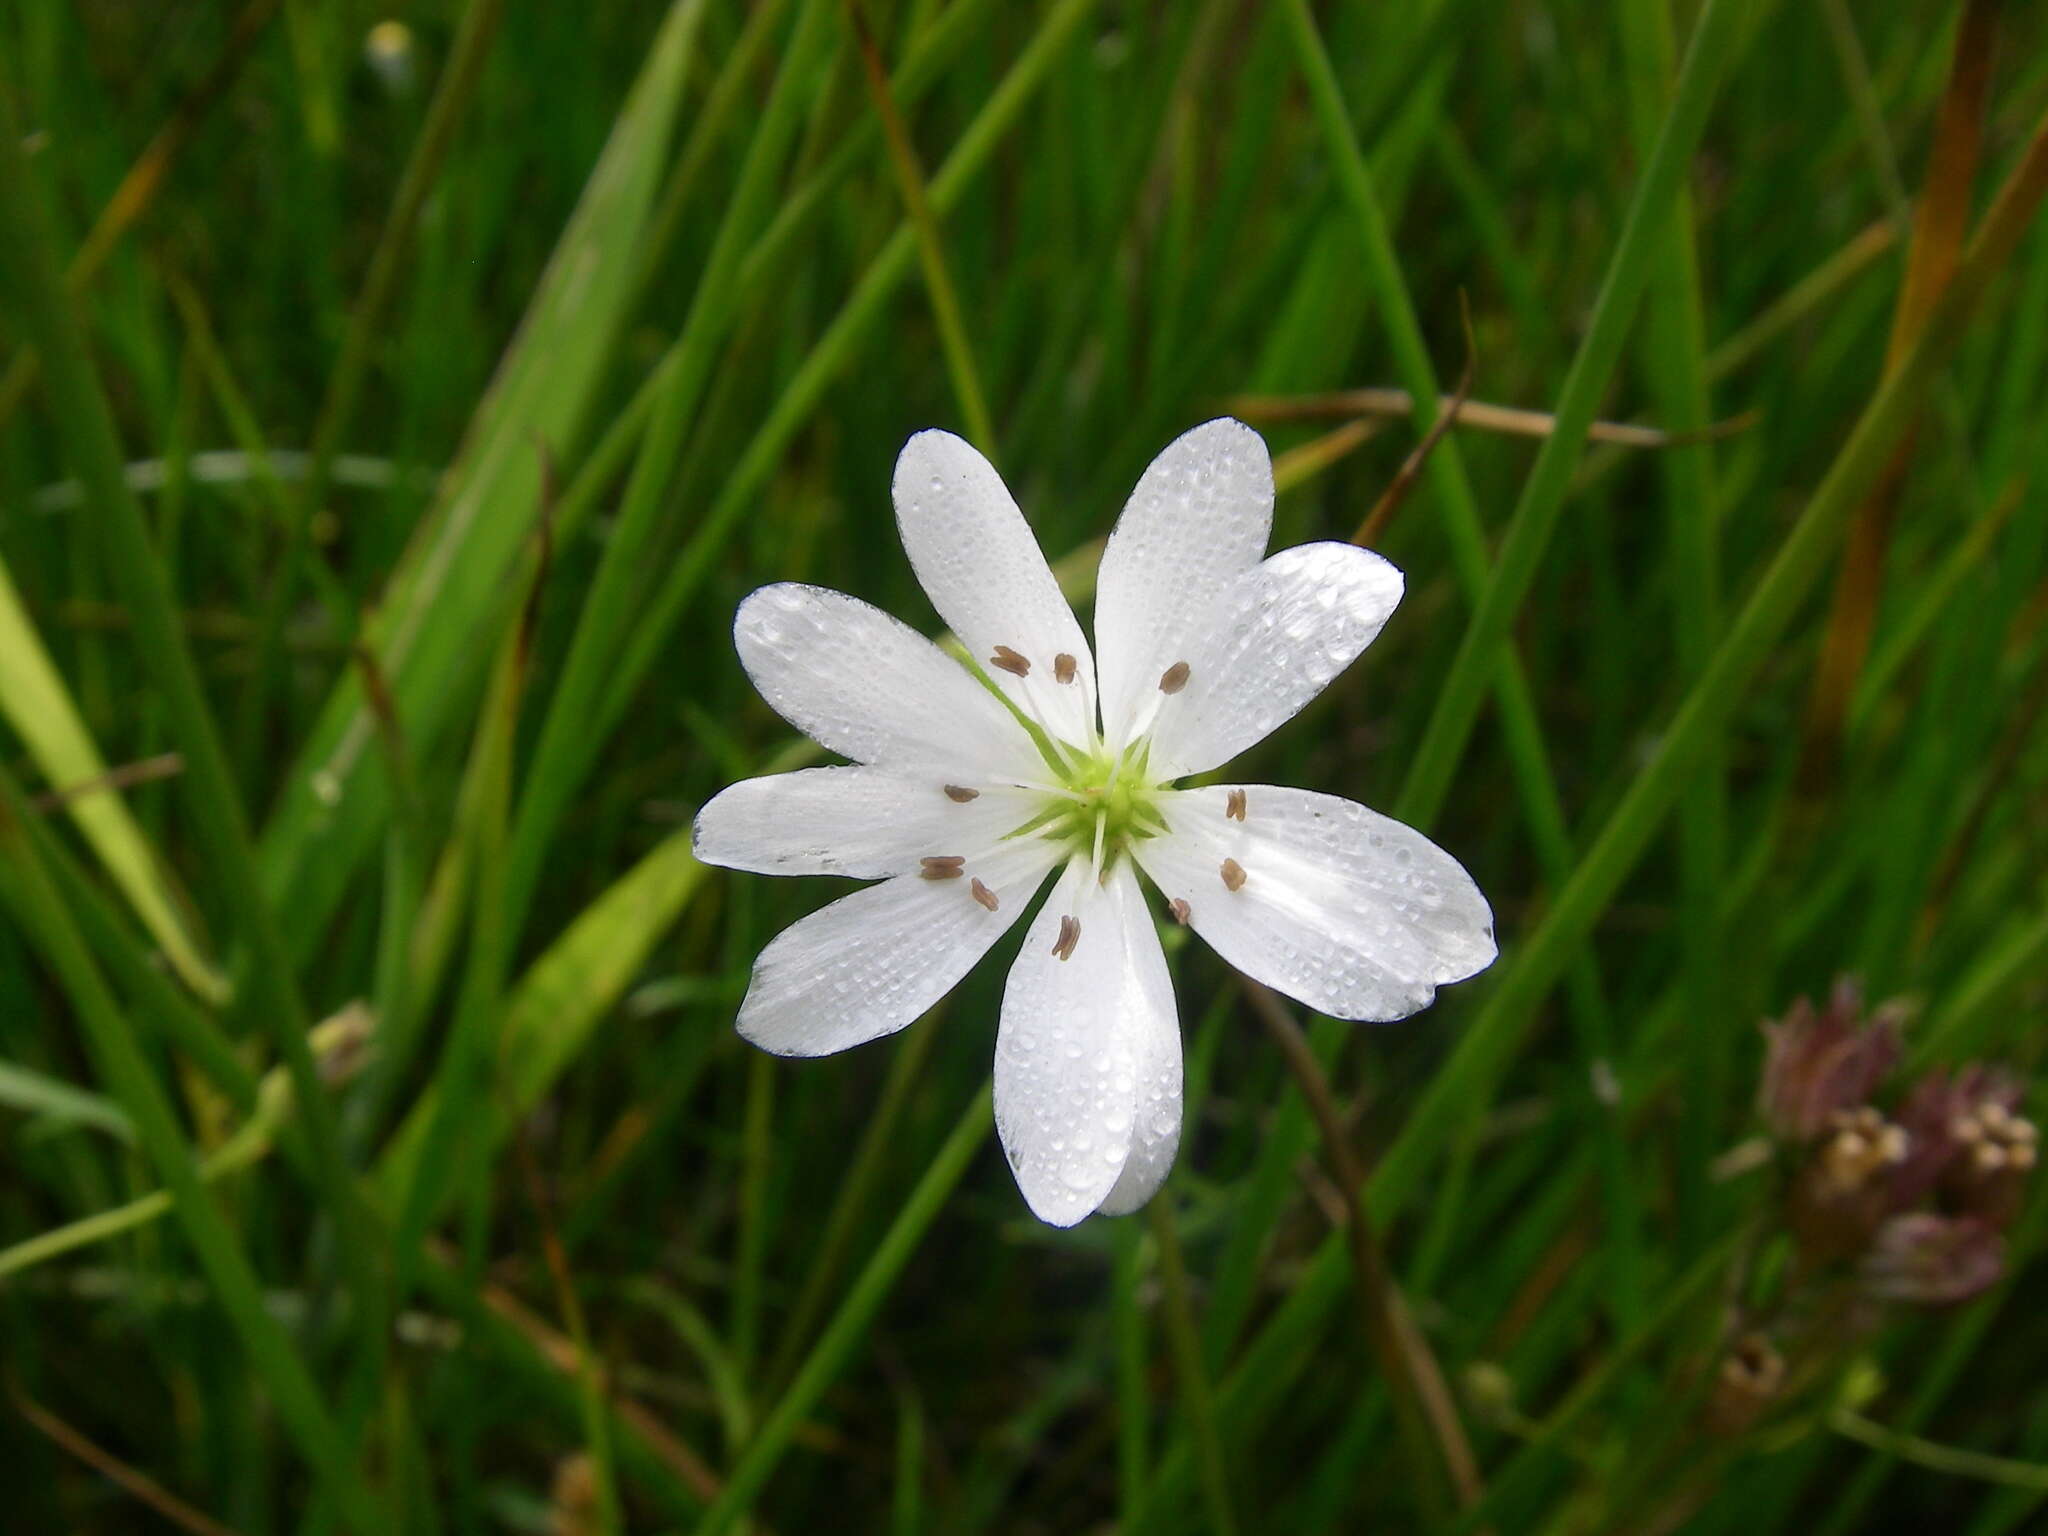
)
(394, 406)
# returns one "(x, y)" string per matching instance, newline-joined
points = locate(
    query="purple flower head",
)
(1818, 1065)
(1966, 1142)
(1933, 1261)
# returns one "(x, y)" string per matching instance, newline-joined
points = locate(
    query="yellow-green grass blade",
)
(39, 707)
(557, 1005)
(455, 581)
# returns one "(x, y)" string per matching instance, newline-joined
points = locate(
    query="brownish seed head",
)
(1010, 661)
(1070, 935)
(1174, 678)
(1180, 910)
(959, 794)
(942, 866)
(1233, 875)
(984, 895)
(1234, 806)
(1064, 668)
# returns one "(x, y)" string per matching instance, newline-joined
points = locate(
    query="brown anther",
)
(959, 794)
(1070, 935)
(1233, 875)
(1174, 678)
(1064, 668)
(1862, 1143)
(1234, 806)
(943, 867)
(1011, 661)
(984, 895)
(1180, 910)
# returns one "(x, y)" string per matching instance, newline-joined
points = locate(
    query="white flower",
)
(971, 783)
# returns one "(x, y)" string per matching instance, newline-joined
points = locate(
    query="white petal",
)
(1273, 641)
(1198, 520)
(874, 961)
(1155, 1134)
(871, 688)
(981, 566)
(1343, 909)
(864, 822)
(1088, 1065)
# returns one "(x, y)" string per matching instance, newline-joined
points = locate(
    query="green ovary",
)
(1102, 796)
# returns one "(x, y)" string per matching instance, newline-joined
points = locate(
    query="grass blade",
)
(39, 706)
(453, 583)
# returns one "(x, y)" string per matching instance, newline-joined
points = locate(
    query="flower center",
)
(1106, 802)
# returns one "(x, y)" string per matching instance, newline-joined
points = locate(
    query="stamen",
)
(1234, 806)
(1233, 875)
(960, 795)
(948, 866)
(1070, 935)
(984, 895)
(1064, 668)
(1174, 678)
(1180, 910)
(1010, 661)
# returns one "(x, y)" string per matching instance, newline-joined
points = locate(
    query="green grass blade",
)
(1530, 971)
(41, 911)
(40, 708)
(86, 425)
(553, 1011)
(1433, 769)
(454, 582)
(828, 1357)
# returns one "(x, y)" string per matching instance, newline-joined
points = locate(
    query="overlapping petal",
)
(1088, 1060)
(859, 821)
(871, 688)
(980, 564)
(1273, 641)
(1345, 910)
(872, 962)
(1198, 520)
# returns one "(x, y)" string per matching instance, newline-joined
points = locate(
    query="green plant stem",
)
(472, 45)
(41, 910)
(1953, 1460)
(1133, 1398)
(1433, 769)
(831, 353)
(829, 1355)
(86, 426)
(1186, 1343)
(911, 1052)
(610, 612)
(1675, 364)
(1482, 1052)
(1534, 778)
(931, 251)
